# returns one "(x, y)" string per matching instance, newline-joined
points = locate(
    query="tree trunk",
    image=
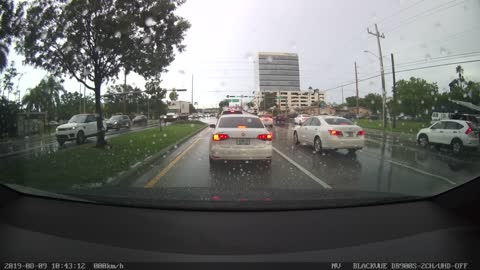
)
(98, 107)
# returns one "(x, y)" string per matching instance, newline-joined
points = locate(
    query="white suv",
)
(78, 128)
(458, 134)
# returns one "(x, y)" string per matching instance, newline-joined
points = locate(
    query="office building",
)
(277, 72)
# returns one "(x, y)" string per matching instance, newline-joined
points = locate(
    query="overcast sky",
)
(328, 36)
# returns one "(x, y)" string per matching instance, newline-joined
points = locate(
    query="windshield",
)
(232, 101)
(78, 119)
(243, 122)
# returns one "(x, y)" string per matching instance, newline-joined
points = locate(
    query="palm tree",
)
(459, 70)
(45, 96)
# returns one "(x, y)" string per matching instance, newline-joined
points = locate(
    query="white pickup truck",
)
(78, 128)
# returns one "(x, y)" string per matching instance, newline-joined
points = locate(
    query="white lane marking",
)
(305, 171)
(411, 168)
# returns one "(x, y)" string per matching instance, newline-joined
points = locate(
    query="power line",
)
(424, 14)
(401, 71)
(386, 18)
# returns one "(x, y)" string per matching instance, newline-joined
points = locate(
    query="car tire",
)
(317, 145)
(80, 137)
(295, 138)
(423, 140)
(128, 125)
(61, 142)
(457, 146)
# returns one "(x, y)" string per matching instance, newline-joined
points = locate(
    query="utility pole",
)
(356, 87)
(343, 101)
(125, 90)
(394, 92)
(380, 57)
(192, 89)
(80, 93)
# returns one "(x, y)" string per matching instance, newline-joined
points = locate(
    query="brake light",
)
(361, 133)
(265, 137)
(220, 137)
(334, 132)
(470, 129)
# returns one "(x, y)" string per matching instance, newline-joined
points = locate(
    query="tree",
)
(7, 80)
(70, 104)
(92, 41)
(416, 97)
(373, 102)
(224, 103)
(156, 94)
(173, 95)
(269, 101)
(45, 97)
(8, 116)
(10, 25)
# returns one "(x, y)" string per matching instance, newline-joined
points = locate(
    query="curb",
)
(139, 167)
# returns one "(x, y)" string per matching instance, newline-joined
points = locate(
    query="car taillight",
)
(361, 133)
(469, 129)
(220, 137)
(265, 137)
(334, 132)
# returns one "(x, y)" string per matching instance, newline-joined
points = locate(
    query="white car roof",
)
(238, 115)
(453, 120)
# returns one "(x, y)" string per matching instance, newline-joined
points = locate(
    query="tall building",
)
(292, 100)
(277, 72)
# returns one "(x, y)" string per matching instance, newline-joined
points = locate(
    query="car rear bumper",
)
(343, 143)
(222, 153)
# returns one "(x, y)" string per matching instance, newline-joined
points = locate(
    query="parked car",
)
(119, 121)
(330, 133)
(240, 137)
(78, 128)
(300, 119)
(458, 134)
(267, 120)
(140, 120)
(437, 116)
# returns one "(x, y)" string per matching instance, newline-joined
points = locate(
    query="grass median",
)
(85, 164)
(405, 127)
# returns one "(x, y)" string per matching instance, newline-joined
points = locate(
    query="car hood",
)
(69, 125)
(216, 199)
(112, 121)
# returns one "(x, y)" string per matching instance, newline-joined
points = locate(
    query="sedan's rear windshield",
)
(338, 121)
(243, 122)
(232, 112)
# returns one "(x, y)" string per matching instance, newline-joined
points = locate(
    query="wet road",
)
(383, 165)
(47, 144)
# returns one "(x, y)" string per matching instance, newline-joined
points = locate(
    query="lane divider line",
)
(162, 173)
(305, 171)
(411, 168)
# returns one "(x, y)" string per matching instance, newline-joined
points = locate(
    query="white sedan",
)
(240, 137)
(300, 119)
(330, 133)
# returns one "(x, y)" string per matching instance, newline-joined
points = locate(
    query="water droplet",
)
(426, 111)
(131, 141)
(435, 98)
(428, 57)
(164, 134)
(249, 56)
(269, 59)
(43, 35)
(84, 12)
(438, 25)
(181, 72)
(373, 102)
(399, 101)
(175, 146)
(118, 34)
(421, 101)
(153, 142)
(443, 51)
(146, 40)
(150, 22)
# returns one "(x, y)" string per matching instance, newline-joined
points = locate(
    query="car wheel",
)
(61, 142)
(317, 144)
(80, 137)
(128, 125)
(457, 146)
(295, 138)
(423, 140)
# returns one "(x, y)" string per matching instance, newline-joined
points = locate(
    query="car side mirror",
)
(212, 125)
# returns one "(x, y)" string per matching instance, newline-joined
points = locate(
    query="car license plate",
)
(349, 134)
(243, 141)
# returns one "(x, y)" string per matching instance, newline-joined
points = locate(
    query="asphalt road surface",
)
(382, 166)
